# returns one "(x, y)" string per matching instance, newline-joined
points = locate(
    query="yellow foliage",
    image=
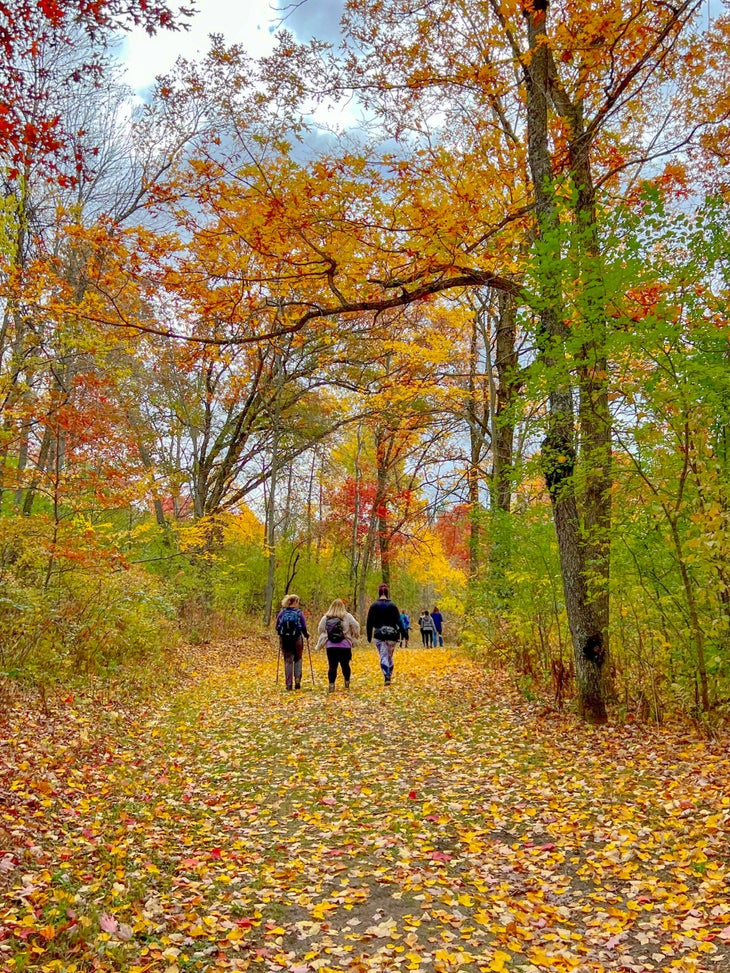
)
(243, 527)
(233, 527)
(428, 565)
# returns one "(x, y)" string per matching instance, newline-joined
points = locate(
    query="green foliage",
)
(67, 611)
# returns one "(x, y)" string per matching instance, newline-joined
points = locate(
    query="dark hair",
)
(383, 590)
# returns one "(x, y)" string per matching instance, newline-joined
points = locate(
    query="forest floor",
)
(439, 824)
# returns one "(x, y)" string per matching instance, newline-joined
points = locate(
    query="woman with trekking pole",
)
(291, 627)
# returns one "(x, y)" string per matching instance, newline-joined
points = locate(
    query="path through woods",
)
(440, 824)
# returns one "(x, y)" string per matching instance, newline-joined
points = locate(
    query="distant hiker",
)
(420, 627)
(338, 631)
(405, 624)
(427, 629)
(292, 628)
(384, 624)
(438, 624)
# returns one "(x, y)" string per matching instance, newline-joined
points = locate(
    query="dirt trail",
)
(435, 825)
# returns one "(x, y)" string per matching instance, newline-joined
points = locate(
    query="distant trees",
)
(487, 301)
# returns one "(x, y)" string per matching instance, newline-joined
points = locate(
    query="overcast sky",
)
(251, 23)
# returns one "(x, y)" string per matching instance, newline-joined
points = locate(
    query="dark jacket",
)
(302, 622)
(383, 612)
(438, 620)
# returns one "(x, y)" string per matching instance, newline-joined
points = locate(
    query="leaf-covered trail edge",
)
(439, 825)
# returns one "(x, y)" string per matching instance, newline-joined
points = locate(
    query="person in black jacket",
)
(384, 624)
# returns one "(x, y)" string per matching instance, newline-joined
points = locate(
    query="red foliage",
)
(29, 30)
(349, 497)
(453, 529)
(342, 502)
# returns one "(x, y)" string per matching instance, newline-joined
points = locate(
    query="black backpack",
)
(289, 625)
(335, 632)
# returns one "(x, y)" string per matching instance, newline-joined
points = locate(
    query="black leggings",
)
(338, 655)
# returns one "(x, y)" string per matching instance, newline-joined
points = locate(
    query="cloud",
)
(312, 18)
(251, 24)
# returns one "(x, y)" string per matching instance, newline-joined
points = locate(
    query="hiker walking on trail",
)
(292, 628)
(427, 629)
(405, 624)
(384, 624)
(438, 626)
(338, 631)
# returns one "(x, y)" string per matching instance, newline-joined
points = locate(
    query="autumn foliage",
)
(479, 353)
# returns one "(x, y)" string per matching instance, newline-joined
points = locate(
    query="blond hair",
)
(337, 609)
(289, 600)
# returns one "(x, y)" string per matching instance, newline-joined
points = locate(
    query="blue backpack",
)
(289, 625)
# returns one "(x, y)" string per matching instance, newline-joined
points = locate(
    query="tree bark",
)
(558, 455)
(509, 384)
(271, 505)
(476, 420)
(381, 503)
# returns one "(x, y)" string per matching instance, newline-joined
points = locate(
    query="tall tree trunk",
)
(504, 387)
(310, 504)
(365, 562)
(381, 503)
(278, 379)
(508, 388)
(355, 559)
(476, 421)
(271, 532)
(593, 410)
(271, 540)
(558, 455)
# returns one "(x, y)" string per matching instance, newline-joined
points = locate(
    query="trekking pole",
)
(278, 656)
(311, 667)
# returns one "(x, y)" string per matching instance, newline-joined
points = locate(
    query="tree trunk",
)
(558, 456)
(594, 410)
(509, 384)
(381, 503)
(504, 390)
(278, 376)
(355, 559)
(271, 535)
(476, 421)
(365, 562)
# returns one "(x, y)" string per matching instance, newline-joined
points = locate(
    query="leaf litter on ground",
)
(438, 825)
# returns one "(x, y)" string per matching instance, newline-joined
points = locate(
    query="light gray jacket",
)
(350, 626)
